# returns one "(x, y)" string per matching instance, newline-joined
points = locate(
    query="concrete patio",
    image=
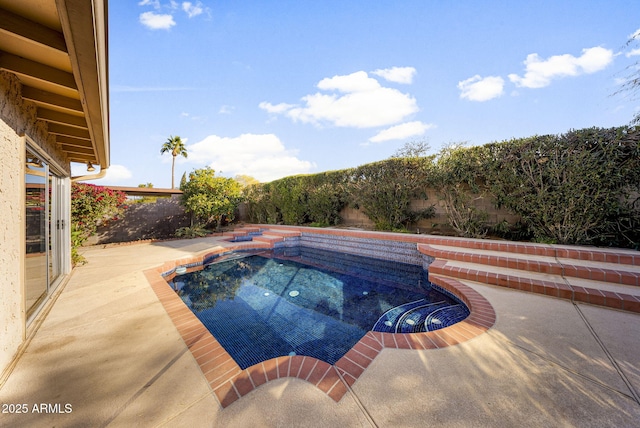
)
(109, 349)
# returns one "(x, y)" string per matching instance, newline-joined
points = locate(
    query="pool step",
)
(413, 320)
(243, 234)
(409, 315)
(608, 255)
(575, 265)
(445, 317)
(271, 236)
(597, 276)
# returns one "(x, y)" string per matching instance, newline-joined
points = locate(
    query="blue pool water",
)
(310, 302)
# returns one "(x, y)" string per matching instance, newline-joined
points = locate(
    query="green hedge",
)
(581, 187)
(576, 188)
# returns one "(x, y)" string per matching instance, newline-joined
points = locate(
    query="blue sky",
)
(276, 88)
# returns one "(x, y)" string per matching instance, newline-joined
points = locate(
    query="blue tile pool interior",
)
(309, 301)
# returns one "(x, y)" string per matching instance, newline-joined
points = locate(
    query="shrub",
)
(92, 206)
(290, 196)
(210, 199)
(195, 231)
(299, 199)
(582, 187)
(384, 190)
(573, 188)
(459, 180)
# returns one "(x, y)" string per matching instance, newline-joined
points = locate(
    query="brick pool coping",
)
(229, 382)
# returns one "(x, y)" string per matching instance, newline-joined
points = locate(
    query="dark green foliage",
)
(210, 199)
(573, 188)
(582, 187)
(290, 196)
(384, 190)
(459, 179)
(298, 199)
(326, 196)
(196, 231)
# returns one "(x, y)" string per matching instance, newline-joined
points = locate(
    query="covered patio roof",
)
(58, 49)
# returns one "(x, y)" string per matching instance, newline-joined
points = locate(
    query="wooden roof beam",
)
(72, 141)
(69, 131)
(50, 99)
(53, 116)
(30, 31)
(35, 70)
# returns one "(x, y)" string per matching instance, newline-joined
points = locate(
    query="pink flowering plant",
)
(92, 206)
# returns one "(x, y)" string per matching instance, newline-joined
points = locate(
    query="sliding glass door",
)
(37, 206)
(46, 230)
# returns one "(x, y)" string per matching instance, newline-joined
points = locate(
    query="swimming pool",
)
(304, 301)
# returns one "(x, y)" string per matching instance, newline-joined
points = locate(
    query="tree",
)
(412, 149)
(245, 180)
(209, 198)
(146, 199)
(175, 146)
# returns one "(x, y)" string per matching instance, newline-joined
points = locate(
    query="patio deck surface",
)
(109, 349)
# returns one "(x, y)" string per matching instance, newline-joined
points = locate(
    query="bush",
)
(582, 187)
(210, 199)
(92, 206)
(573, 188)
(384, 190)
(299, 199)
(196, 231)
(460, 182)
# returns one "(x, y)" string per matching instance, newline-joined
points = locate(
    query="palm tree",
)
(175, 146)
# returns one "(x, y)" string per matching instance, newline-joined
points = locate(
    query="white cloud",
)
(354, 82)
(539, 73)
(155, 21)
(397, 74)
(225, 109)
(399, 132)
(262, 156)
(633, 52)
(362, 103)
(115, 174)
(154, 3)
(275, 109)
(479, 88)
(192, 9)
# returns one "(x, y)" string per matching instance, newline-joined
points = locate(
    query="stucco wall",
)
(16, 118)
(11, 241)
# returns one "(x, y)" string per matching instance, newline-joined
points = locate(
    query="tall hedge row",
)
(581, 187)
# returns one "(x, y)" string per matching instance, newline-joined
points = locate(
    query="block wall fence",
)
(159, 220)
